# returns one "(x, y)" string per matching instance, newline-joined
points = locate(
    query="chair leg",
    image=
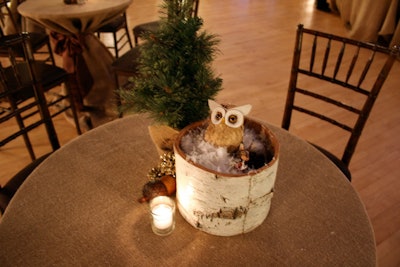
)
(22, 129)
(136, 39)
(27, 140)
(46, 117)
(4, 200)
(74, 113)
(128, 36)
(73, 104)
(115, 44)
(51, 53)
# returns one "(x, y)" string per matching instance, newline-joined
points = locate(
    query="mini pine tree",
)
(175, 77)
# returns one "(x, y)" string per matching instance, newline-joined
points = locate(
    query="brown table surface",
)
(79, 208)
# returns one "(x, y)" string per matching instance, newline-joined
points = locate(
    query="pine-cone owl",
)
(226, 127)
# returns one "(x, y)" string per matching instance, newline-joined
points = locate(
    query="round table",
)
(80, 208)
(79, 22)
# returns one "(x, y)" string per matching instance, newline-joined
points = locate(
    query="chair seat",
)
(37, 40)
(48, 75)
(127, 63)
(152, 26)
(114, 25)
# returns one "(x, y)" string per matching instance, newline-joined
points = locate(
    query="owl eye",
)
(232, 119)
(235, 118)
(217, 115)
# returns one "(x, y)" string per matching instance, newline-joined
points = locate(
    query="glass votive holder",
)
(162, 211)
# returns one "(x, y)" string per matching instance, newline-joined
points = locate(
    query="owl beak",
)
(223, 120)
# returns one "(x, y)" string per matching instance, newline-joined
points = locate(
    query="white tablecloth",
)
(367, 19)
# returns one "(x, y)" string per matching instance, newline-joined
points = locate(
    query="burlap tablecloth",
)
(79, 208)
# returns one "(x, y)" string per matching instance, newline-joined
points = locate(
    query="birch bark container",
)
(226, 204)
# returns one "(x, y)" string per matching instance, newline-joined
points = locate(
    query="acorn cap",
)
(170, 183)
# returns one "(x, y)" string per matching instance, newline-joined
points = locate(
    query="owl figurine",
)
(226, 127)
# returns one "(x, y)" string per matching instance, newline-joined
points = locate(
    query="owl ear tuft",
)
(245, 109)
(212, 104)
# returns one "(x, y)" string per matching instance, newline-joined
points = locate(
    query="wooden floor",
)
(257, 39)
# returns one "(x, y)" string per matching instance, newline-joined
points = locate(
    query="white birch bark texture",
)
(225, 204)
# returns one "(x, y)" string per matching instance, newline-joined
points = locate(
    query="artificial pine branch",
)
(176, 79)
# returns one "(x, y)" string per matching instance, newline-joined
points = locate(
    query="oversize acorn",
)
(166, 186)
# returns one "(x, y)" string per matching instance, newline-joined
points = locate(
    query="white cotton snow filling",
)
(218, 159)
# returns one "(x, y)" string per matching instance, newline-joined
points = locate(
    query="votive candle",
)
(162, 210)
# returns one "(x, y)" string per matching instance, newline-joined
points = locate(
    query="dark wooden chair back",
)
(331, 74)
(40, 41)
(23, 85)
(7, 18)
